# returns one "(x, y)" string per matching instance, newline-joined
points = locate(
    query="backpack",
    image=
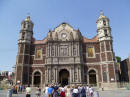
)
(83, 90)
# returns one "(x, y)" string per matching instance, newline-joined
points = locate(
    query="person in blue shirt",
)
(50, 91)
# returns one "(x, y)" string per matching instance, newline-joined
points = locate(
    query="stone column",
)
(80, 74)
(72, 48)
(107, 70)
(70, 75)
(32, 79)
(50, 50)
(46, 76)
(101, 73)
(49, 75)
(56, 75)
(73, 74)
(77, 74)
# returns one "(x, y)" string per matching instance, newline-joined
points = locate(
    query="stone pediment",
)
(64, 32)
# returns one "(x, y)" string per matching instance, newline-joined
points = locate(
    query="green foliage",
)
(118, 59)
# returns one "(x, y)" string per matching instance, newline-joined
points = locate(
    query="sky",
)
(48, 14)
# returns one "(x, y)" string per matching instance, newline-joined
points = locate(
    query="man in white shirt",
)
(75, 92)
(28, 91)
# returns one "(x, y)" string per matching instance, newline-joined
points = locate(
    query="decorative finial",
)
(50, 30)
(28, 16)
(101, 12)
(78, 30)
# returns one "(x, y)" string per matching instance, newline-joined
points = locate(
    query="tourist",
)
(83, 92)
(71, 90)
(16, 89)
(20, 88)
(75, 92)
(38, 92)
(68, 90)
(91, 91)
(62, 94)
(50, 91)
(28, 91)
(56, 91)
(46, 90)
(79, 88)
(87, 90)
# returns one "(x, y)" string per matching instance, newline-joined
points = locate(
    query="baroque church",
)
(66, 57)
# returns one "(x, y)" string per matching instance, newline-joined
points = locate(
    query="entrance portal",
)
(92, 77)
(64, 77)
(37, 78)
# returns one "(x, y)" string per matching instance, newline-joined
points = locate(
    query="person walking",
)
(56, 91)
(28, 91)
(87, 90)
(50, 91)
(38, 92)
(91, 91)
(62, 94)
(46, 90)
(68, 90)
(83, 92)
(75, 92)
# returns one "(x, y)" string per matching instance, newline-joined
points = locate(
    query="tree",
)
(118, 59)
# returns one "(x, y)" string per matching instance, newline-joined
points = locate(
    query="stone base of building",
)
(109, 86)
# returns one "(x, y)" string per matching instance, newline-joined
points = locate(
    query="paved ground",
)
(114, 93)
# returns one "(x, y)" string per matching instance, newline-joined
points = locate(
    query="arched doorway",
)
(92, 77)
(64, 77)
(37, 78)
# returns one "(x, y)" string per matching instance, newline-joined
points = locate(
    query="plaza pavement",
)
(110, 93)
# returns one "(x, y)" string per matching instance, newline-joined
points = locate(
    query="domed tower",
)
(107, 57)
(103, 28)
(23, 56)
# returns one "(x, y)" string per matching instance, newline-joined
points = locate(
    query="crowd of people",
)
(66, 91)
(18, 88)
(55, 90)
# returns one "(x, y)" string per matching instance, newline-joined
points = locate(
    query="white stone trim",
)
(96, 75)
(37, 70)
(41, 53)
(105, 50)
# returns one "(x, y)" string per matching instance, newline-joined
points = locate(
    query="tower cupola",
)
(26, 32)
(27, 24)
(103, 28)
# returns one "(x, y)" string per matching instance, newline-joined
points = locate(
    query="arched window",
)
(23, 35)
(104, 22)
(105, 32)
(24, 25)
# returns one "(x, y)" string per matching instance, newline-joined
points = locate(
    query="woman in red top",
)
(62, 94)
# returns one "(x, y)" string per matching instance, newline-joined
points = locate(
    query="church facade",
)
(65, 56)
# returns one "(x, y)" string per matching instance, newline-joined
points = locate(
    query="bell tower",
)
(23, 55)
(103, 28)
(107, 57)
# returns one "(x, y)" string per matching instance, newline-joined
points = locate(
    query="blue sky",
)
(47, 14)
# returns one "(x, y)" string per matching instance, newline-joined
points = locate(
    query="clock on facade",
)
(63, 35)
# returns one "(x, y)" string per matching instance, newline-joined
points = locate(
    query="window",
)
(64, 50)
(91, 52)
(74, 50)
(23, 35)
(104, 22)
(52, 51)
(24, 25)
(28, 26)
(38, 53)
(105, 32)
